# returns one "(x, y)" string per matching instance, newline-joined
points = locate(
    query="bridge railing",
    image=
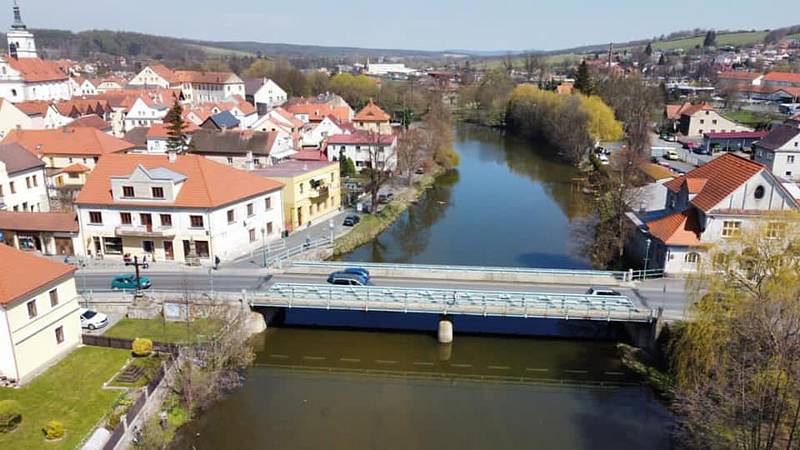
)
(456, 268)
(444, 301)
(290, 252)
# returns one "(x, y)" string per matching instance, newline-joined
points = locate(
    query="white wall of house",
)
(783, 162)
(156, 145)
(710, 121)
(11, 117)
(269, 96)
(317, 134)
(245, 120)
(143, 115)
(32, 340)
(54, 119)
(148, 77)
(360, 155)
(24, 191)
(197, 93)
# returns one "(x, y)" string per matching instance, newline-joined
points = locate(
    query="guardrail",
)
(448, 301)
(290, 252)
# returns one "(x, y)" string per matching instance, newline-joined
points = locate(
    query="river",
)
(506, 205)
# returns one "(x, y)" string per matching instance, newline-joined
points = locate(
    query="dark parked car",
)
(385, 198)
(347, 279)
(358, 271)
(351, 220)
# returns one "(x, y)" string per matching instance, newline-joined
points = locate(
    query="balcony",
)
(319, 194)
(144, 231)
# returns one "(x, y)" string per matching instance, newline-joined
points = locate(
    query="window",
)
(35, 182)
(28, 182)
(12, 187)
(166, 220)
(158, 192)
(125, 218)
(790, 159)
(301, 187)
(759, 192)
(230, 160)
(702, 121)
(32, 309)
(714, 122)
(127, 191)
(202, 248)
(731, 228)
(700, 131)
(691, 258)
(269, 228)
(53, 298)
(252, 234)
(196, 221)
(250, 210)
(231, 216)
(113, 246)
(96, 217)
(268, 203)
(60, 335)
(775, 229)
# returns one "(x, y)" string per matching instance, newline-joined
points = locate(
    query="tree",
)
(737, 363)
(355, 90)
(601, 123)
(318, 83)
(583, 79)
(648, 50)
(710, 39)
(377, 174)
(411, 152)
(636, 104)
(177, 139)
(346, 166)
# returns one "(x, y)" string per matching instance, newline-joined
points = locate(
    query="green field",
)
(750, 118)
(159, 330)
(216, 51)
(735, 39)
(70, 392)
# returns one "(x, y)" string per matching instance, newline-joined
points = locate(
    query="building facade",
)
(780, 152)
(23, 184)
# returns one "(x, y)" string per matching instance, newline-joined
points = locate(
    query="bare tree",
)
(636, 105)
(379, 159)
(412, 152)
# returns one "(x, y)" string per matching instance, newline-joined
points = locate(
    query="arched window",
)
(691, 258)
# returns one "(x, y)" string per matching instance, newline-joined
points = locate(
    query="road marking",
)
(460, 365)
(352, 360)
(273, 355)
(314, 358)
(422, 363)
(385, 361)
(499, 367)
(575, 371)
(615, 373)
(531, 369)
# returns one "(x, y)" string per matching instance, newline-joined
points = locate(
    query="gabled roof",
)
(194, 76)
(67, 141)
(224, 119)
(778, 137)
(91, 121)
(681, 228)
(208, 184)
(371, 113)
(290, 118)
(161, 130)
(361, 139)
(36, 70)
(22, 273)
(722, 175)
(233, 142)
(66, 222)
(694, 109)
(315, 111)
(17, 159)
(75, 168)
(738, 75)
(33, 107)
(137, 136)
(674, 112)
(252, 85)
(785, 77)
(165, 73)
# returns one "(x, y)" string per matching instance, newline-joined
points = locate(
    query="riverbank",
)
(372, 225)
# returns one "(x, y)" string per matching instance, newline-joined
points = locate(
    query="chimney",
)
(172, 156)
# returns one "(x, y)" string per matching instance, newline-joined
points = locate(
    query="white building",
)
(314, 134)
(39, 318)
(365, 149)
(23, 184)
(176, 207)
(695, 120)
(146, 111)
(244, 149)
(780, 152)
(709, 204)
(264, 94)
(12, 117)
(206, 87)
(82, 86)
(155, 75)
(381, 70)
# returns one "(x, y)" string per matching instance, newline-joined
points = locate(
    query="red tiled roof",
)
(22, 274)
(161, 130)
(361, 139)
(738, 75)
(91, 121)
(194, 76)
(782, 76)
(37, 70)
(75, 168)
(208, 184)
(316, 111)
(165, 73)
(681, 228)
(371, 113)
(723, 175)
(67, 141)
(66, 222)
(736, 134)
(309, 155)
(33, 107)
(693, 109)
(674, 111)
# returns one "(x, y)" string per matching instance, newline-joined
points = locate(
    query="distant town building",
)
(264, 94)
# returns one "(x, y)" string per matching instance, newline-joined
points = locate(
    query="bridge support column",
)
(445, 330)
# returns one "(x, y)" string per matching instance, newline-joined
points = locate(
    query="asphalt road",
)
(665, 293)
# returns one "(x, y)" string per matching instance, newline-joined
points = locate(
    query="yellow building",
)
(39, 313)
(311, 190)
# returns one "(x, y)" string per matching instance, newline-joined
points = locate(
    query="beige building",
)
(703, 118)
(311, 191)
(39, 318)
(373, 119)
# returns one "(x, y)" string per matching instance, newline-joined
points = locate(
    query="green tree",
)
(583, 79)
(177, 140)
(648, 50)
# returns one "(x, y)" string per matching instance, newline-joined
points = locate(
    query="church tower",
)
(20, 40)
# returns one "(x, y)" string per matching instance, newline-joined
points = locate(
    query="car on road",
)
(668, 137)
(128, 282)
(701, 150)
(690, 145)
(603, 291)
(671, 155)
(351, 220)
(347, 279)
(74, 260)
(603, 159)
(358, 271)
(92, 320)
(386, 198)
(679, 170)
(420, 170)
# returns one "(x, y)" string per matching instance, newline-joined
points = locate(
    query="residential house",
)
(264, 94)
(82, 86)
(221, 121)
(781, 80)
(735, 79)
(314, 134)
(92, 121)
(157, 136)
(703, 118)
(373, 119)
(147, 110)
(49, 233)
(709, 204)
(155, 75)
(279, 118)
(365, 149)
(12, 117)
(312, 190)
(22, 180)
(43, 115)
(176, 207)
(111, 84)
(779, 151)
(39, 313)
(308, 111)
(204, 87)
(244, 149)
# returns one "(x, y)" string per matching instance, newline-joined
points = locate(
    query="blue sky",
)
(410, 24)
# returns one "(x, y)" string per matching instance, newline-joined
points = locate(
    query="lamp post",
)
(646, 256)
(264, 241)
(330, 226)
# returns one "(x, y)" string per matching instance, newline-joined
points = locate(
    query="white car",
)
(603, 291)
(603, 159)
(92, 319)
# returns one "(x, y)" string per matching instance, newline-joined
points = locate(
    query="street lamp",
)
(330, 226)
(646, 256)
(264, 241)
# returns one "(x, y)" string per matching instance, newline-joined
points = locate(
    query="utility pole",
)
(646, 258)
(136, 264)
(264, 245)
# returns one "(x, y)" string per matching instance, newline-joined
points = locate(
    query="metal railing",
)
(448, 301)
(639, 275)
(290, 252)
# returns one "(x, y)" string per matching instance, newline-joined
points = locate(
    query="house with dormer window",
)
(183, 208)
(714, 202)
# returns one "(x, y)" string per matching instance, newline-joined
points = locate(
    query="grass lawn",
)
(734, 39)
(159, 330)
(70, 392)
(749, 118)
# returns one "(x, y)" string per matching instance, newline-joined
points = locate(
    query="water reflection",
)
(509, 204)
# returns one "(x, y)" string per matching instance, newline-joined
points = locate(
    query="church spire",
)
(17, 25)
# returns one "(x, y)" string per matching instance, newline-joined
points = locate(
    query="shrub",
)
(142, 347)
(10, 415)
(54, 430)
